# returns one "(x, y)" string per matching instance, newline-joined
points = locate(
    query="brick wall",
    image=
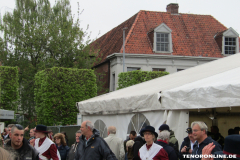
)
(103, 69)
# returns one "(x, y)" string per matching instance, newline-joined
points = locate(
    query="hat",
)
(163, 127)
(189, 130)
(41, 128)
(148, 129)
(232, 145)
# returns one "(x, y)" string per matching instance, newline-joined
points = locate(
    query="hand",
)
(207, 150)
(32, 142)
(183, 150)
(26, 129)
(190, 151)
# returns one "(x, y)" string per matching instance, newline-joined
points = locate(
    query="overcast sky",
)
(103, 15)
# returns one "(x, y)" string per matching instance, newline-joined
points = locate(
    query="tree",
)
(38, 36)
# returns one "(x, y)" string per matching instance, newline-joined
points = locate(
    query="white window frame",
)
(162, 28)
(230, 33)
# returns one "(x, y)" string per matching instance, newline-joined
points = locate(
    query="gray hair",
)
(164, 135)
(112, 129)
(89, 124)
(79, 131)
(201, 124)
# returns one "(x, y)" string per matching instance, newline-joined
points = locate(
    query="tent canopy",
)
(145, 96)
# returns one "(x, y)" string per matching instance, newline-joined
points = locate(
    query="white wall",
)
(148, 62)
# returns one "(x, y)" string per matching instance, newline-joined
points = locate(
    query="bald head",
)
(112, 130)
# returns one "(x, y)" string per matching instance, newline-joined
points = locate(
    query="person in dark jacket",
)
(173, 142)
(19, 146)
(199, 130)
(132, 136)
(73, 149)
(138, 143)
(187, 145)
(61, 145)
(91, 145)
(163, 139)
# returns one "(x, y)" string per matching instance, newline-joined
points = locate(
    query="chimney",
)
(172, 8)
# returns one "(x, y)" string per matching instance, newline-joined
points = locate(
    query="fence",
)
(70, 131)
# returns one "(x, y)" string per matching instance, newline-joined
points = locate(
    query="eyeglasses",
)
(195, 130)
(147, 133)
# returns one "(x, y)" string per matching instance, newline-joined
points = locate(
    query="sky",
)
(103, 15)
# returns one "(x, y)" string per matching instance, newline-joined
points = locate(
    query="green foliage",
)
(127, 79)
(58, 89)
(9, 88)
(38, 35)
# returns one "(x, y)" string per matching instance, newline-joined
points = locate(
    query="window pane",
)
(230, 39)
(226, 42)
(158, 35)
(226, 39)
(162, 47)
(166, 47)
(158, 39)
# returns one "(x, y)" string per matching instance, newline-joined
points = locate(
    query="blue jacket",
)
(198, 150)
(63, 151)
(95, 149)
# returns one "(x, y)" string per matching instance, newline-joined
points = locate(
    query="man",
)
(46, 148)
(19, 146)
(32, 135)
(231, 149)
(187, 144)
(132, 136)
(115, 143)
(199, 131)
(91, 145)
(216, 136)
(73, 149)
(163, 140)
(7, 137)
(173, 142)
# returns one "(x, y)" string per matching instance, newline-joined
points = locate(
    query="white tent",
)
(178, 93)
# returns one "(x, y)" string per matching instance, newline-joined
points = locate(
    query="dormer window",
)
(162, 39)
(230, 42)
(230, 45)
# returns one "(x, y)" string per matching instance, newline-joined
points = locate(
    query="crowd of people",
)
(149, 145)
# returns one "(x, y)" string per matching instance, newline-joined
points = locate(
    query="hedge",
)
(9, 85)
(58, 89)
(126, 79)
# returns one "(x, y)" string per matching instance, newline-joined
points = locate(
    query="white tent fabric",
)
(221, 90)
(145, 96)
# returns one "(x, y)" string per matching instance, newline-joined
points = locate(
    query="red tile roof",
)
(192, 35)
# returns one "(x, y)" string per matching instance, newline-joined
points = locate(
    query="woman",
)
(46, 148)
(150, 150)
(129, 154)
(73, 149)
(61, 145)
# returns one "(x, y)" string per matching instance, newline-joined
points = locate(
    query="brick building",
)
(163, 41)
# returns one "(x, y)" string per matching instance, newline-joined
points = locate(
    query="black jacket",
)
(198, 150)
(186, 142)
(170, 150)
(23, 153)
(96, 148)
(138, 143)
(72, 151)
(63, 151)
